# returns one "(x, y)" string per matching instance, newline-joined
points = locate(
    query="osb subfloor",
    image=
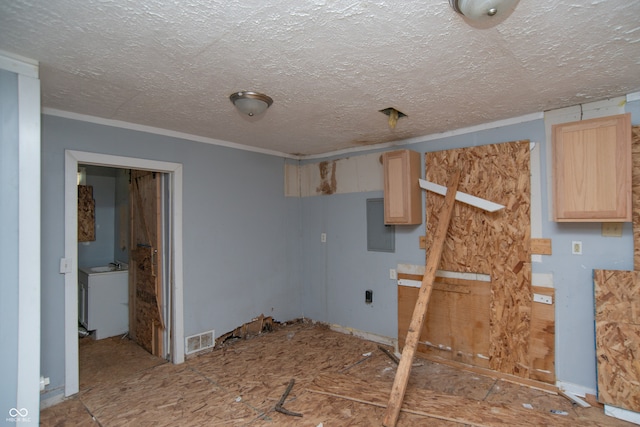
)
(336, 383)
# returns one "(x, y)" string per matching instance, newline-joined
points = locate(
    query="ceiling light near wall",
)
(251, 103)
(483, 10)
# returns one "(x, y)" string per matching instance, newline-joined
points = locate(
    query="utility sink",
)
(106, 268)
(102, 269)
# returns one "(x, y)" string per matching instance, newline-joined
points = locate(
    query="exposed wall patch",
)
(328, 182)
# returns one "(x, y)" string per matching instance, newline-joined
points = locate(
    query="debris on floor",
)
(391, 355)
(121, 384)
(255, 327)
(280, 408)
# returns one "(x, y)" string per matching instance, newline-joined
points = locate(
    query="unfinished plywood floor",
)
(336, 383)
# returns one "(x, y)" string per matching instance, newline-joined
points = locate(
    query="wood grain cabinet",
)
(592, 170)
(402, 193)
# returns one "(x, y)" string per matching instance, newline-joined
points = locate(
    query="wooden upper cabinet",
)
(402, 193)
(592, 170)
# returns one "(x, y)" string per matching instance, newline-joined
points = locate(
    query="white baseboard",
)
(575, 389)
(380, 339)
(622, 414)
(51, 397)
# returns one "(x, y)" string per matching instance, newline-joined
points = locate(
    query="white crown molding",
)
(160, 131)
(462, 131)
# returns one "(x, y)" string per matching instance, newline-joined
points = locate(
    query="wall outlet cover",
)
(576, 247)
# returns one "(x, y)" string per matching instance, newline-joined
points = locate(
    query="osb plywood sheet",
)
(436, 405)
(495, 243)
(239, 383)
(86, 214)
(635, 158)
(542, 338)
(71, 413)
(617, 295)
(104, 361)
(165, 396)
(618, 337)
(617, 349)
(457, 323)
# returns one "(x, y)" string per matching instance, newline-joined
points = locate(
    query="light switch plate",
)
(65, 265)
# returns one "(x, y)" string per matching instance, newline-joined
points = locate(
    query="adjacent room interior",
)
(320, 213)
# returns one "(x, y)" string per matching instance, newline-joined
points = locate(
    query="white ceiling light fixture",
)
(483, 10)
(251, 103)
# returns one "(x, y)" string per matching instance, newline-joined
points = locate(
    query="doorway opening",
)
(123, 261)
(168, 340)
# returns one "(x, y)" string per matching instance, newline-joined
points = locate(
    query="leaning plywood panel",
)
(618, 337)
(495, 243)
(635, 156)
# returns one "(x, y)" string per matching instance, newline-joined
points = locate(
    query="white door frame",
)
(72, 158)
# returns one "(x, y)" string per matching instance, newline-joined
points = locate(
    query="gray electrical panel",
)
(380, 237)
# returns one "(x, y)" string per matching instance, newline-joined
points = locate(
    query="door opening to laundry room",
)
(128, 279)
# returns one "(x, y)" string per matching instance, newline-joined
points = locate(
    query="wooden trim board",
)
(541, 246)
(419, 313)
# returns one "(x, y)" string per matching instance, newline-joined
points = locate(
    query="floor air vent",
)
(196, 343)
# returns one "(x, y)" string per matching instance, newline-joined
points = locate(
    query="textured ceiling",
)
(329, 65)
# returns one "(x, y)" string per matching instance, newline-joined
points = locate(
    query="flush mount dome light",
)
(482, 10)
(251, 103)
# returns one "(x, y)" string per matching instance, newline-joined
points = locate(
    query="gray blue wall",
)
(338, 272)
(241, 236)
(101, 251)
(249, 250)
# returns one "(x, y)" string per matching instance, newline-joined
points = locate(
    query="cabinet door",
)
(592, 170)
(402, 194)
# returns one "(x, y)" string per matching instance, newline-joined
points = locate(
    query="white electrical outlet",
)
(576, 247)
(544, 299)
(393, 275)
(323, 237)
